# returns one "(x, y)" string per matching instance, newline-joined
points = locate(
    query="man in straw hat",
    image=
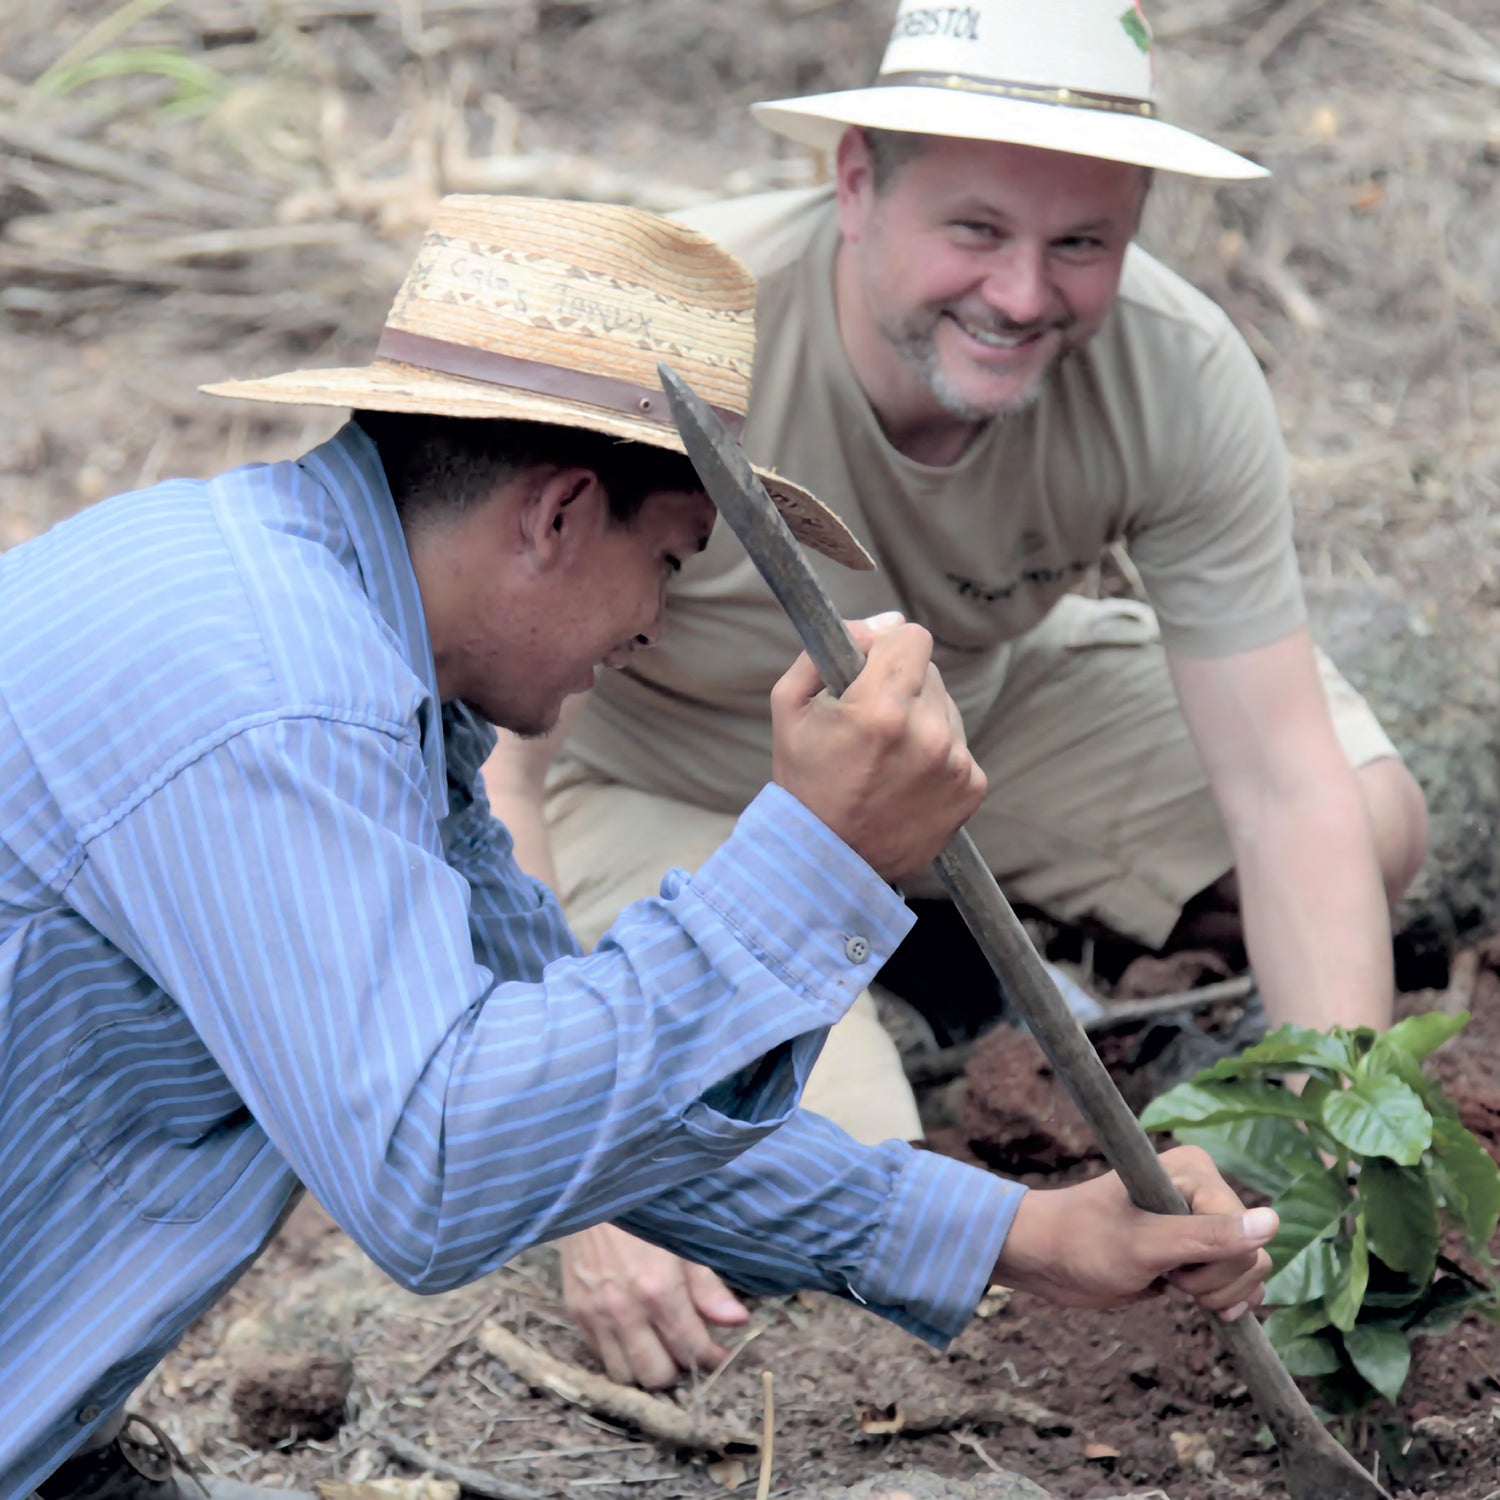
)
(258, 927)
(961, 351)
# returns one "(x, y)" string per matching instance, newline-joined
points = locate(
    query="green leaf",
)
(1318, 1270)
(1447, 1302)
(1379, 1116)
(1389, 1288)
(1416, 1037)
(1267, 1154)
(1407, 1069)
(1309, 1210)
(1309, 1356)
(1196, 1103)
(1344, 1305)
(1288, 1049)
(1404, 1301)
(1467, 1180)
(1289, 1323)
(1381, 1353)
(1401, 1211)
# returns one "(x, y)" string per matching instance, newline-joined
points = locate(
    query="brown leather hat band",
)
(1029, 93)
(444, 357)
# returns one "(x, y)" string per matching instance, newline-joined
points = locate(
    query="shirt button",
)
(89, 1414)
(856, 949)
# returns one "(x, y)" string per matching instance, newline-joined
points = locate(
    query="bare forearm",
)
(1316, 922)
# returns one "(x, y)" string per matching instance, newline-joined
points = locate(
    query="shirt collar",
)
(348, 468)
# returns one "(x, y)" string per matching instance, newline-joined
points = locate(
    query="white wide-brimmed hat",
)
(560, 312)
(1062, 75)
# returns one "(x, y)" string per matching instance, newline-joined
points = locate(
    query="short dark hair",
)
(890, 150)
(436, 463)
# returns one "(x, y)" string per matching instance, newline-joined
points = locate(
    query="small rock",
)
(1144, 1373)
(995, 1300)
(1193, 1451)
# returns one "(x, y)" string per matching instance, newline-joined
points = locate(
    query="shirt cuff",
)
(935, 1255)
(801, 900)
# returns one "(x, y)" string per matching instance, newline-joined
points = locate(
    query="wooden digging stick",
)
(1316, 1466)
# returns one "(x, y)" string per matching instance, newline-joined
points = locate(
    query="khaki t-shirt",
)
(1160, 432)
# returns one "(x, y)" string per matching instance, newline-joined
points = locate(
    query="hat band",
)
(1030, 93)
(444, 357)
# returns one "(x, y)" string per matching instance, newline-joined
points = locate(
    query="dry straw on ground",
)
(247, 178)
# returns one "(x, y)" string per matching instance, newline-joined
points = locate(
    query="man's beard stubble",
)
(915, 342)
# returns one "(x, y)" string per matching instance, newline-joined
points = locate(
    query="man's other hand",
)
(642, 1310)
(1090, 1246)
(886, 766)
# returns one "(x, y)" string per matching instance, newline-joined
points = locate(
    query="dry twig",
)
(1202, 15)
(1274, 33)
(473, 1480)
(767, 1435)
(969, 1441)
(923, 1070)
(48, 144)
(961, 1408)
(651, 1415)
(1118, 1013)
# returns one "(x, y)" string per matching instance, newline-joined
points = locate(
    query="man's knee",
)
(858, 1081)
(612, 844)
(1398, 820)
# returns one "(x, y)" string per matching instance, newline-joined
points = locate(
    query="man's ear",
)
(561, 507)
(854, 181)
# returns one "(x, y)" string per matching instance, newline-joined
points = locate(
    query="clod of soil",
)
(1018, 1118)
(1149, 975)
(301, 1395)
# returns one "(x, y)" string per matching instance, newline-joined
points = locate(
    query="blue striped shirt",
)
(258, 926)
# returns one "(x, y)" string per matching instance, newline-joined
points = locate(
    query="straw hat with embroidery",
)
(1063, 75)
(559, 312)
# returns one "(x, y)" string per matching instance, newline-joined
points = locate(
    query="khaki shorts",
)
(1098, 808)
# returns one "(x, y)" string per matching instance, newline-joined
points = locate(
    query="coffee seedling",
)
(1369, 1167)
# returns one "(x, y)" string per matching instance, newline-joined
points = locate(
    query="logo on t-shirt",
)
(1066, 572)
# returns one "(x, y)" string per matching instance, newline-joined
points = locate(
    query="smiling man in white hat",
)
(258, 928)
(963, 353)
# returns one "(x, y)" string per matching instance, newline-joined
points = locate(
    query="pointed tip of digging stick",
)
(1325, 1470)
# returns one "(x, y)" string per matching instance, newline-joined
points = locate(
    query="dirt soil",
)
(248, 203)
(1139, 1399)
